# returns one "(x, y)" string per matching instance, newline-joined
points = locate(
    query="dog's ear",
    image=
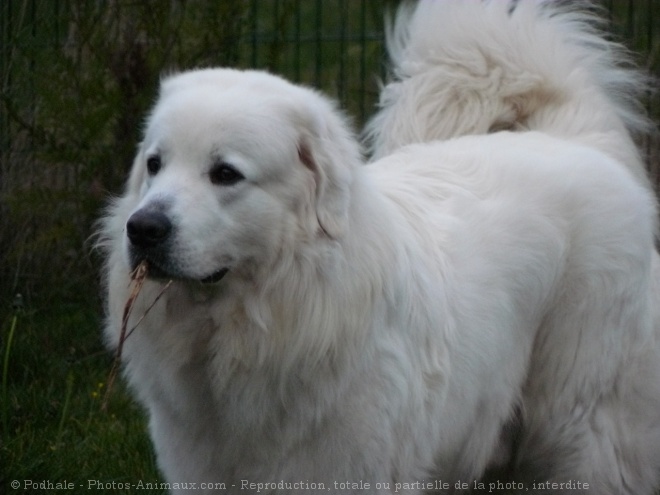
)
(327, 148)
(331, 202)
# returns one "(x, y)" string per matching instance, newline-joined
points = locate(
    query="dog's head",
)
(234, 168)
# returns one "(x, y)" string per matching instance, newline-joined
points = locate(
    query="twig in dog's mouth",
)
(138, 276)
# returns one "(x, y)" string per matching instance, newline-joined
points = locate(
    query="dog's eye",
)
(223, 174)
(153, 165)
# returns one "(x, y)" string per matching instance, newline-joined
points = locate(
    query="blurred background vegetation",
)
(76, 79)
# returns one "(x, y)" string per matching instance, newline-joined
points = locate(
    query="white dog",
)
(483, 302)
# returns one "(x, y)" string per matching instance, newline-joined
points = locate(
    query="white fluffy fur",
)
(389, 323)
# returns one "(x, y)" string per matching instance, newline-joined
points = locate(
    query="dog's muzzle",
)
(150, 233)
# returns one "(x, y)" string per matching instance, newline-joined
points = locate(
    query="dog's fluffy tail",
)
(478, 66)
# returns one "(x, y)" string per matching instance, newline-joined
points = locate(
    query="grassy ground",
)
(54, 371)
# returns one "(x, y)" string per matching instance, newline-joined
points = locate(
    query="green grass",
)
(54, 372)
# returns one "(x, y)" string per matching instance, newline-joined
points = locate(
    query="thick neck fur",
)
(269, 321)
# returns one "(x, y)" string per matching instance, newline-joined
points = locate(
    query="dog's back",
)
(475, 67)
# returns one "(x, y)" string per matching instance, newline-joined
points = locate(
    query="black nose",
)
(146, 229)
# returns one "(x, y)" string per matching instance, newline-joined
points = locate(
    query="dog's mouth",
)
(215, 277)
(157, 272)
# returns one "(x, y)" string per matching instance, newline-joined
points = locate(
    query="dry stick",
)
(146, 311)
(138, 277)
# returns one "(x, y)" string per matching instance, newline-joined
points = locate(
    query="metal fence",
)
(335, 45)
